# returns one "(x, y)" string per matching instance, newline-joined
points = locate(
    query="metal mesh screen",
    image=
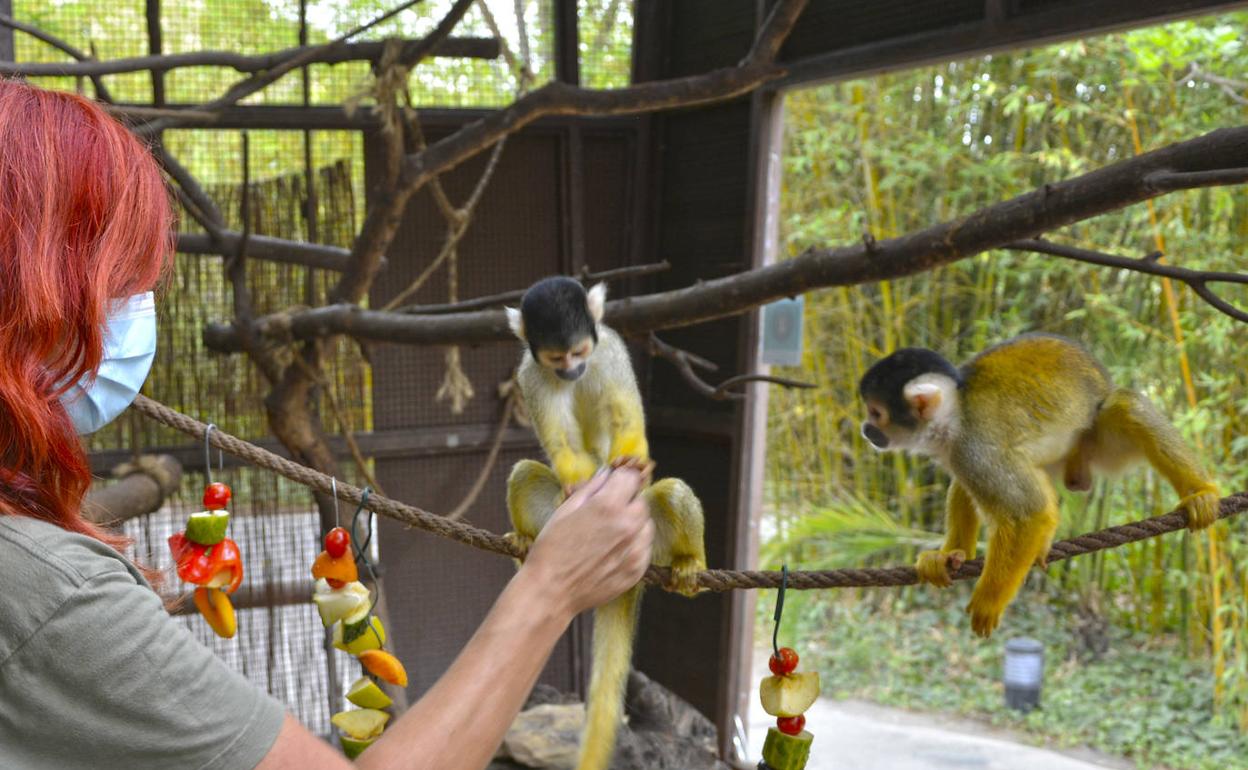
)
(605, 30)
(279, 645)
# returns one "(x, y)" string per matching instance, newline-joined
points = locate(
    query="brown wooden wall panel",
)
(700, 210)
(437, 591)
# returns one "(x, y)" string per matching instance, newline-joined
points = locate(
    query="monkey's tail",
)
(614, 624)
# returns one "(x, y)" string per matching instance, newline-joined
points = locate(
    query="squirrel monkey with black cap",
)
(1005, 425)
(578, 386)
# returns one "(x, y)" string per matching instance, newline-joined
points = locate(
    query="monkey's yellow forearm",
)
(961, 522)
(628, 428)
(571, 464)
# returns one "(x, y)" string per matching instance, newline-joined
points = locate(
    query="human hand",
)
(596, 545)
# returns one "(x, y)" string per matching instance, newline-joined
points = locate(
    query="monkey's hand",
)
(1202, 507)
(521, 543)
(936, 567)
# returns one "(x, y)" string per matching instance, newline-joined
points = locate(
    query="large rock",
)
(663, 732)
(545, 736)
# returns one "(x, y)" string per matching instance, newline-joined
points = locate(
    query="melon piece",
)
(383, 665)
(365, 693)
(207, 527)
(786, 752)
(334, 604)
(359, 632)
(361, 724)
(352, 747)
(789, 695)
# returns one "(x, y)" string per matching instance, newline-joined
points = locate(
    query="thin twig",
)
(47, 37)
(90, 67)
(685, 361)
(1199, 280)
(502, 298)
(457, 228)
(263, 79)
(491, 459)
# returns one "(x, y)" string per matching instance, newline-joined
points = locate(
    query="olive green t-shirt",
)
(94, 673)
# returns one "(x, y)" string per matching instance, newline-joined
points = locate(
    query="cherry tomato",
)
(216, 496)
(335, 584)
(784, 662)
(336, 541)
(791, 725)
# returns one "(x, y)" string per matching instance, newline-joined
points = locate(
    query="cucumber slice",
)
(207, 527)
(352, 747)
(365, 693)
(786, 752)
(789, 695)
(361, 724)
(359, 631)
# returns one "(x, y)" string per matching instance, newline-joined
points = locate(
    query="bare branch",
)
(268, 248)
(558, 98)
(1026, 216)
(456, 47)
(1232, 88)
(685, 362)
(263, 79)
(498, 300)
(1199, 280)
(47, 37)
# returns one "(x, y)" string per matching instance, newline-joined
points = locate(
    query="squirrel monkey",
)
(1005, 425)
(578, 386)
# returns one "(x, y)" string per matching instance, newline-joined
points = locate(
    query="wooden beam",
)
(406, 442)
(567, 43)
(154, 47)
(1003, 30)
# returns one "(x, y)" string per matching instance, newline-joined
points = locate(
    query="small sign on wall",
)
(782, 332)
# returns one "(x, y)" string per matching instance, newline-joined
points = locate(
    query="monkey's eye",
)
(874, 414)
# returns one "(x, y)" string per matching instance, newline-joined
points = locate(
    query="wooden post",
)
(154, 47)
(7, 50)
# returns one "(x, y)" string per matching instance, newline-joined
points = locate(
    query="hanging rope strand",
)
(711, 580)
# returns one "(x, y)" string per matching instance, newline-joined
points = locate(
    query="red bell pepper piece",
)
(201, 564)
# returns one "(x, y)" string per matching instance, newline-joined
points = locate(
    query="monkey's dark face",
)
(905, 393)
(567, 363)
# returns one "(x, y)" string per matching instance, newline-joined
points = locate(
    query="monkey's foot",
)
(985, 614)
(937, 567)
(684, 578)
(520, 542)
(1202, 508)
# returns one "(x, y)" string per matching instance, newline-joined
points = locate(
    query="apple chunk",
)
(361, 724)
(789, 695)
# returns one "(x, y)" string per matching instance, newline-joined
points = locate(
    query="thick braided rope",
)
(711, 580)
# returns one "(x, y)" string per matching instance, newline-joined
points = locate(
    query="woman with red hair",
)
(93, 671)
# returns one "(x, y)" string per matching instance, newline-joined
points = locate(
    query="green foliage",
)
(1140, 699)
(900, 152)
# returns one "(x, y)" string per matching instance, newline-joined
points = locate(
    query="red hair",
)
(85, 219)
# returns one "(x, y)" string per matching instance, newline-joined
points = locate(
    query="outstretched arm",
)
(595, 547)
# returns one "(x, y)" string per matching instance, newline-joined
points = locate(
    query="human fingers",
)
(585, 491)
(621, 486)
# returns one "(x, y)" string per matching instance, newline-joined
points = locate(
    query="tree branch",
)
(47, 37)
(456, 47)
(1192, 163)
(502, 298)
(1199, 280)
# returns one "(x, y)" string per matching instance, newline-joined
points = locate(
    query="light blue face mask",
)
(129, 347)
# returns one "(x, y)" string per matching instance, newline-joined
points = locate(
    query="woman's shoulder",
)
(41, 567)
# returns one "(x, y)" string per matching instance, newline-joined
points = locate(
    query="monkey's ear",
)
(924, 398)
(596, 298)
(516, 321)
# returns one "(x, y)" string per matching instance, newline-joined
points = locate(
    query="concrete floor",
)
(864, 736)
